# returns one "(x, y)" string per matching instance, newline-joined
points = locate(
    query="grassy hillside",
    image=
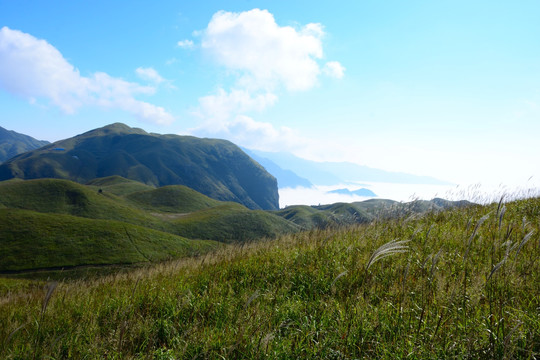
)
(176, 210)
(31, 240)
(67, 197)
(362, 212)
(461, 283)
(173, 198)
(118, 185)
(232, 222)
(60, 212)
(216, 168)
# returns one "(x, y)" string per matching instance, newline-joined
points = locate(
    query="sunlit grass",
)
(461, 283)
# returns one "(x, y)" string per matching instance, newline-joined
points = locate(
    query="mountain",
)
(310, 170)
(332, 173)
(216, 168)
(285, 178)
(360, 192)
(13, 143)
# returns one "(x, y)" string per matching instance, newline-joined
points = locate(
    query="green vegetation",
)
(346, 214)
(53, 223)
(461, 283)
(31, 240)
(216, 168)
(59, 211)
(13, 143)
(173, 198)
(118, 185)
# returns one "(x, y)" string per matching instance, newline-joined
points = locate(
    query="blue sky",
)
(449, 89)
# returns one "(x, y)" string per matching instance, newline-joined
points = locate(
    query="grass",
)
(59, 223)
(69, 224)
(32, 240)
(462, 283)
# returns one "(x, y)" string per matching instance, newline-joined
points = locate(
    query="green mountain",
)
(216, 168)
(13, 143)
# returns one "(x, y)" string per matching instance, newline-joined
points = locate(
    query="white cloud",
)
(219, 108)
(33, 68)
(223, 116)
(186, 44)
(334, 69)
(149, 74)
(265, 54)
(264, 57)
(315, 195)
(245, 131)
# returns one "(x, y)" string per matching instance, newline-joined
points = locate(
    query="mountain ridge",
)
(333, 173)
(13, 143)
(216, 168)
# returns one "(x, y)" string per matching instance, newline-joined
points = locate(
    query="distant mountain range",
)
(359, 192)
(216, 168)
(292, 171)
(12, 143)
(285, 177)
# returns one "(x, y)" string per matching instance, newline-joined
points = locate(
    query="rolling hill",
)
(54, 223)
(60, 223)
(361, 212)
(216, 168)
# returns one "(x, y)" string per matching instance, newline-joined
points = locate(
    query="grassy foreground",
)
(463, 283)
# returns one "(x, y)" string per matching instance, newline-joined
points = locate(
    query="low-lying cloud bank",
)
(319, 195)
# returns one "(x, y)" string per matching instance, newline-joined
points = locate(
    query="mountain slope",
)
(216, 168)
(285, 178)
(13, 143)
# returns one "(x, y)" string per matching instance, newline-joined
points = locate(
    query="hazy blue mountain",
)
(360, 192)
(332, 173)
(13, 143)
(216, 168)
(354, 172)
(307, 169)
(285, 178)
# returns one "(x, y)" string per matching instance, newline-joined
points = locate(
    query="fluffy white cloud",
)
(264, 57)
(149, 74)
(265, 54)
(223, 115)
(334, 69)
(186, 44)
(245, 131)
(33, 68)
(218, 109)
